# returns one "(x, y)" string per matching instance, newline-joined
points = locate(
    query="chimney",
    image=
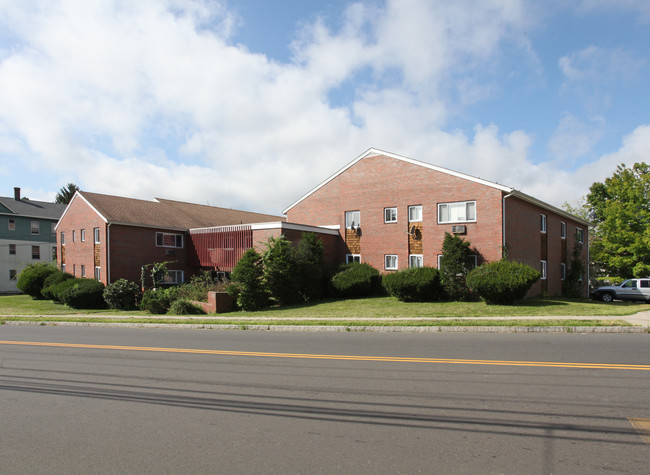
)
(16, 193)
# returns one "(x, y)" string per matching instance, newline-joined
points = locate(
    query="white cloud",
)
(573, 138)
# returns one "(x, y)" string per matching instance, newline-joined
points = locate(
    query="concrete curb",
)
(339, 328)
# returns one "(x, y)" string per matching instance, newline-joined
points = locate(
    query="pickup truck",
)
(631, 289)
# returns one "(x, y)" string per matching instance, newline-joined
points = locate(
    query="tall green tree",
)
(311, 266)
(456, 262)
(620, 211)
(281, 271)
(66, 193)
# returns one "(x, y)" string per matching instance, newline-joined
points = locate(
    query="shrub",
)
(122, 295)
(311, 267)
(502, 282)
(51, 281)
(83, 293)
(417, 284)
(281, 271)
(56, 290)
(199, 286)
(247, 286)
(158, 301)
(31, 278)
(455, 264)
(356, 280)
(185, 307)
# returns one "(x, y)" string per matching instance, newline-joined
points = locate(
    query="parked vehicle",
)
(631, 289)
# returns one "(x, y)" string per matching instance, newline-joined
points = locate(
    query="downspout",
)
(108, 253)
(503, 224)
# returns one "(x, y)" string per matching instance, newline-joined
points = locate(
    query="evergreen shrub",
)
(122, 295)
(356, 280)
(50, 284)
(502, 282)
(248, 287)
(83, 293)
(32, 277)
(185, 307)
(417, 284)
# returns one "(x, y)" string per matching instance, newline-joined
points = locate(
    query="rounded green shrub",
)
(158, 301)
(84, 293)
(417, 284)
(56, 290)
(32, 277)
(185, 307)
(50, 284)
(356, 280)
(122, 295)
(248, 286)
(502, 282)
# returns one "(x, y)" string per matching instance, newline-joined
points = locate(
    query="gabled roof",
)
(166, 214)
(31, 208)
(373, 152)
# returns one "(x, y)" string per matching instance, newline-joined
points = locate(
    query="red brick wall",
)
(375, 183)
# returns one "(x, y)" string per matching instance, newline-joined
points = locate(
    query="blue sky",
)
(251, 103)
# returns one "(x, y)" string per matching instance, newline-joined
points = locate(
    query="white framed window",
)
(74, 269)
(390, 262)
(352, 219)
(12, 249)
(83, 270)
(74, 235)
(11, 224)
(563, 230)
(96, 235)
(53, 229)
(542, 269)
(173, 277)
(562, 270)
(461, 212)
(63, 239)
(36, 227)
(36, 252)
(542, 223)
(98, 274)
(169, 240)
(62, 267)
(415, 213)
(82, 235)
(580, 235)
(390, 215)
(416, 260)
(351, 258)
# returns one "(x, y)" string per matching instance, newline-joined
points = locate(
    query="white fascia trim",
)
(375, 152)
(295, 227)
(548, 207)
(78, 194)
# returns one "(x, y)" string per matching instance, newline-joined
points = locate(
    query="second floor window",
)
(96, 235)
(36, 227)
(580, 235)
(563, 230)
(169, 240)
(11, 224)
(461, 212)
(352, 219)
(390, 215)
(542, 223)
(82, 235)
(415, 213)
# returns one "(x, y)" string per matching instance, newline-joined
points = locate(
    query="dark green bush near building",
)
(281, 271)
(417, 284)
(502, 282)
(311, 267)
(50, 284)
(56, 290)
(158, 301)
(122, 295)
(456, 262)
(83, 293)
(32, 277)
(185, 307)
(357, 280)
(248, 287)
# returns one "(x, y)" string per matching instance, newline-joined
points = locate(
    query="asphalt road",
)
(191, 401)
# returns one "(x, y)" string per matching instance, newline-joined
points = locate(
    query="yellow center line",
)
(393, 359)
(642, 426)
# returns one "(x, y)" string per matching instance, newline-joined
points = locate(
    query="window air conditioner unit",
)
(459, 229)
(170, 252)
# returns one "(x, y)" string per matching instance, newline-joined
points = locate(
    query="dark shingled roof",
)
(169, 214)
(31, 208)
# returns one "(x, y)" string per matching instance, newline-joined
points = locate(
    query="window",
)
(415, 213)
(462, 212)
(11, 224)
(580, 235)
(12, 274)
(563, 230)
(416, 260)
(36, 252)
(82, 235)
(169, 240)
(542, 223)
(98, 274)
(390, 215)
(96, 235)
(54, 253)
(174, 277)
(352, 219)
(390, 262)
(12, 249)
(36, 227)
(562, 270)
(63, 239)
(351, 258)
(74, 269)
(83, 270)
(62, 267)
(74, 235)
(542, 270)
(53, 229)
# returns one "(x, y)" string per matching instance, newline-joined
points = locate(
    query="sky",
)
(249, 104)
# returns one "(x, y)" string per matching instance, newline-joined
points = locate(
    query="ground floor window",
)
(562, 270)
(12, 274)
(98, 273)
(416, 260)
(350, 258)
(36, 252)
(173, 277)
(390, 262)
(542, 270)
(83, 270)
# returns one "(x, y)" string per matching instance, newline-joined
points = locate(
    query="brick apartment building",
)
(110, 237)
(393, 212)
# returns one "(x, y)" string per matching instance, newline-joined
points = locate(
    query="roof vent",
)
(16, 193)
